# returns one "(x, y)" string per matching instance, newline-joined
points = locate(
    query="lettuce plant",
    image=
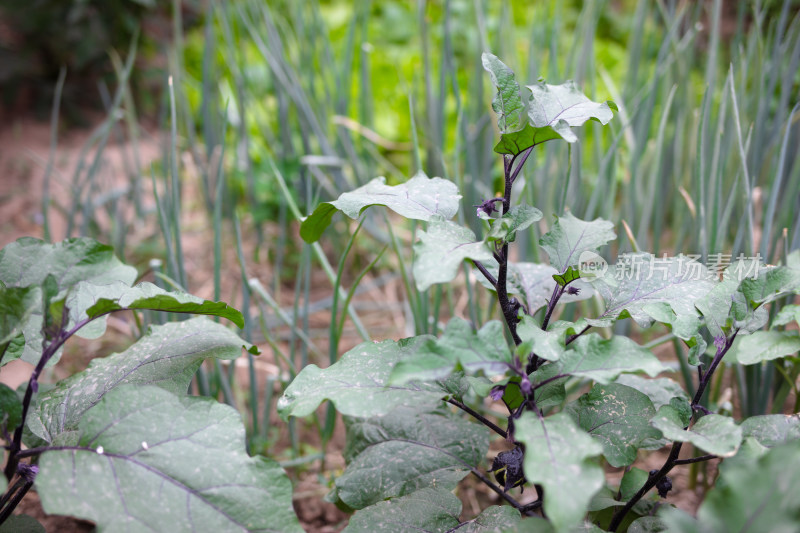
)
(121, 443)
(415, 409)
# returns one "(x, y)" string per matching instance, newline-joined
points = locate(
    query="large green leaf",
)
(168, 356)
(420, 198)
(564, 106)
(10, 409)
(570, 237)
(552, 111)
(618, 417)
(557, 456)
(752, 496)
(507, 103)
(406, 450)
(358, 384)
(16, 306)
(459, 347)
(641, 279)
(27, 262)
(772, 430)
(659, 390)
(534, 283)
(430, 510)
(89, 300)
(517, 142)
(427, 510)
(148, 460)
(763, 346)
(548, 344)
(715, 434)
(440, 251)
(769, 284)
(602, 360)
(787, 314)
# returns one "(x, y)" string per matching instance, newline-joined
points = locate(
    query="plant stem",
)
(695, 459)
(576, 335)
(672, 460)
(527, 509)
(52, 347)
(486, 273)
(509, 311)
(15, 499)
(551, 305)
(485, 421)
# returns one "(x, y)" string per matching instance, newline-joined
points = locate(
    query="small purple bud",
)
(35, 386)
(497, 392)
(27, 472)
(574, 291)
(525, 385)
(720, 343)
(487, 208)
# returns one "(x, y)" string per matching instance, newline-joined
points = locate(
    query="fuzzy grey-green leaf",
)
(602, 360)
(420, 198)
(441, 250)
(713, 433)
(507, 103)
(405, 450)
(27, 262)
(358, 384)
(570, 237)
(148, 460)
(429, 510)
(618, 417)
(168, 356)
(459, 347)
(557, 456)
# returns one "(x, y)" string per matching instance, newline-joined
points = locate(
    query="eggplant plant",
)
(419, 412)
(122, 443)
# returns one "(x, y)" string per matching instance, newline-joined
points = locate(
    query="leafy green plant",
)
(573, 392)
(121, 443)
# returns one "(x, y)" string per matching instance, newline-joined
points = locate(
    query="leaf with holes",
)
(147, 459)
(441, 250)
(167, 356)
(406, 450)
(557, 454)
(420, 198)
(618, 417)
(459, 348)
